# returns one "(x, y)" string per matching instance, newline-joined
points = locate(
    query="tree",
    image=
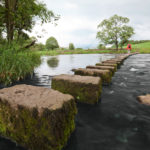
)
(101, 46)
(51, 43)
(71, 46)
(125, 35)
(20, 15)
(114, 30)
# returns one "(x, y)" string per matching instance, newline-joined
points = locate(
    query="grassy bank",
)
(91, 51)
(16, 65)
(142, 48)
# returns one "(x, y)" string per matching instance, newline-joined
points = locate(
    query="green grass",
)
(16, 65)
(91, 51)
(142, 48)
(145, 45)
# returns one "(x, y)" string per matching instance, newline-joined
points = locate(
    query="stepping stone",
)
(105, 75)
(36, 118)
(123, 57)
(112, 62)
(144, 99)
(107, 64)
(85, 89)
(110, 68)
(116, 60)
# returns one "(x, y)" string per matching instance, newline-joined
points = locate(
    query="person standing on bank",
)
(129, 48)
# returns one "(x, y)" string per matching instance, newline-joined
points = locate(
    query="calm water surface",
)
(63, 64)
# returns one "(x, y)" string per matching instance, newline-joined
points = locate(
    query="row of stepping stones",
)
(38, 118)
(86, 83)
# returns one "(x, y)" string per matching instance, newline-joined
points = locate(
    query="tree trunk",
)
(116, 43)
(10, 6)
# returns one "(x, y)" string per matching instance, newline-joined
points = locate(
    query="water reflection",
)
(63, 64)
(53, 62)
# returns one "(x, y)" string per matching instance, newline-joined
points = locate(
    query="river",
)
(118, 122)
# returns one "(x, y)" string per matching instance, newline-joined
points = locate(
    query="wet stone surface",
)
(119, 122)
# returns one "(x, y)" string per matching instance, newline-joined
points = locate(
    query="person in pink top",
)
(129, 48)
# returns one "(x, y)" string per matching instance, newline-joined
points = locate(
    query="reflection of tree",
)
(100, 59)
(71, 58)
(53, 62)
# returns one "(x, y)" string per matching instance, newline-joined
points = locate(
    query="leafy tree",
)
(101, 46)
(20, 15)
(71, 46)
(40, 47)
(114, 30)
(51, 43)
(126, 33)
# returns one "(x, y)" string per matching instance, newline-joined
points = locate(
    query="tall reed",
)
(16, 65)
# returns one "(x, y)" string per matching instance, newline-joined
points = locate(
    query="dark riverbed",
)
(119, 122)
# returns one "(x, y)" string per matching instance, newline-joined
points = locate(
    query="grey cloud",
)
(96, 10)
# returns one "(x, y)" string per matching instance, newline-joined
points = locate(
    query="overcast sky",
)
(79, 20)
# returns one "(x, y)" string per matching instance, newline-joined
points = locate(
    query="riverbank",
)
(89, 51)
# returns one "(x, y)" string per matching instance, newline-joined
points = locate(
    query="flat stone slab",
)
(144, 99)
(107, 64)
(112, 62)
(105, 75)
(85, 89)
(110, 68)
(122, 57)
(36, 118)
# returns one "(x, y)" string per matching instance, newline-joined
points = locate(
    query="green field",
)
(142, 47)
(90, 51)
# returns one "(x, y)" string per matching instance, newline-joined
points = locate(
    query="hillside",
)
(145, 45)
(141, 47)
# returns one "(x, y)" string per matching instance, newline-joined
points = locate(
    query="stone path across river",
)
(119, 122)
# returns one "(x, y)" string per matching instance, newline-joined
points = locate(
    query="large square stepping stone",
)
(111, 68)
(37, 118)
(85, 89)
(107, 64)
(118, 62)
(144, 99)
(105, 75)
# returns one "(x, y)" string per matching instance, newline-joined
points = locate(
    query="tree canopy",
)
(21, 15)
(115, 31)
(51, 43)
(71, 46)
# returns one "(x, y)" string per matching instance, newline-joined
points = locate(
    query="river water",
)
(118, 122)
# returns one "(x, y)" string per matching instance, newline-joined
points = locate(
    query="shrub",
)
(51, 43)
(101, 46)
(71, 46)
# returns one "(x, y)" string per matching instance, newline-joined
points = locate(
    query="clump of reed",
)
(16, 64)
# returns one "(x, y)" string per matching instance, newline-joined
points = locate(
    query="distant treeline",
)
(138, 41)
